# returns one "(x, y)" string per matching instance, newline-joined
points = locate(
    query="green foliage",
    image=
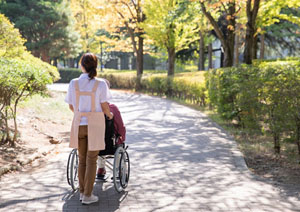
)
(21, 75)
(166, 24)
(11, 43)
(45, 24)
(46, 67)
(19, 79)
(264, 96)
(67, 74)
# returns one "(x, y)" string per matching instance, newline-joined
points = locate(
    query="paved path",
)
(180, 161)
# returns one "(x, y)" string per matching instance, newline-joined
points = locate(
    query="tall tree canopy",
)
(170, 26)
(124, 18)
(45, 24)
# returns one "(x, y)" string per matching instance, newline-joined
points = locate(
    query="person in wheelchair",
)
(115, 132)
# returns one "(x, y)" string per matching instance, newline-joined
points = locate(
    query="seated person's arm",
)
(105, 109)
(119, 125)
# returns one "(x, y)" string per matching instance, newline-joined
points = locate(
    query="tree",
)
(170, 26)
(44, 24)
(228, 13)
(21, 75)
(278, 20)
(251, 11)
(125, 17)
(10, 44)
(85, 13)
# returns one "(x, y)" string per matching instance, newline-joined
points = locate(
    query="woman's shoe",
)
(80, 197)
(88, 200)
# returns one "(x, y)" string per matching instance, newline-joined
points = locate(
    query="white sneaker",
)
(88, 200)
(80, 197)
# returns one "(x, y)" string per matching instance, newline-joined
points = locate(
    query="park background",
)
(236, 60)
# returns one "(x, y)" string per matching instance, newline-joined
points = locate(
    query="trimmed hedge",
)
(265, 96)
(67, 74)
(182, 88)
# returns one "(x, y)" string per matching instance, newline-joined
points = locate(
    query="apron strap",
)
(86, 93)
(77, 95)
(93, 96)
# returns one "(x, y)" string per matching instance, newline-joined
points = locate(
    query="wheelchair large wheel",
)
(121, 169)
(124, 169)
(72, 170)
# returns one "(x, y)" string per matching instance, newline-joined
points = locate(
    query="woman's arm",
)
(105, 109)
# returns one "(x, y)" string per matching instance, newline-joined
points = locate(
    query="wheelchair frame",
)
(120, 168)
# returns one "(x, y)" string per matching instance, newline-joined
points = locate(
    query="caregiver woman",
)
(87, 97)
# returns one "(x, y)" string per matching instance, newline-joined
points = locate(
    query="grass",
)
(50, 108)
(194, 76)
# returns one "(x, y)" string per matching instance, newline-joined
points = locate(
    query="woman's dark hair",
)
(89, 62)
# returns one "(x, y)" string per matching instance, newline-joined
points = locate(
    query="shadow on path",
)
(180, 161)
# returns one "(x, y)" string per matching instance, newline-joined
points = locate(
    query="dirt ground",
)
(41, 130)
(275, 168)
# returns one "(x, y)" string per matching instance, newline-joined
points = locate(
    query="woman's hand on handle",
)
(106, 110)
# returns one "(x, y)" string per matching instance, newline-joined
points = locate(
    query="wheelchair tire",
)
(116, 166)
(124, 168)
(72, 170)
(68, 168)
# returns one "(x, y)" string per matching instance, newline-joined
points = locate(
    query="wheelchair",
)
(120, 166)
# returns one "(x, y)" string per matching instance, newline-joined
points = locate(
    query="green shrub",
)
(266, 93)
(183, 88)
(120, 81)
(21, 75)
(19, 79)
(67, 74)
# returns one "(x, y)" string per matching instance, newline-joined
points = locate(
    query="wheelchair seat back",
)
(110, 138)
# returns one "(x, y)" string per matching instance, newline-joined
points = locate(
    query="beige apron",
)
(96, 122)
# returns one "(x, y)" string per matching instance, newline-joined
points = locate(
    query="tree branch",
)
(132, 15)
(214, 24)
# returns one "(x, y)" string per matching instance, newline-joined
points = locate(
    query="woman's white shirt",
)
(85, 84)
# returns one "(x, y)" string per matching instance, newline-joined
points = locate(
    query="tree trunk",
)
(255, 47)
(228, 55)
(201, 52)
(248, 51)
(276, 142)
(236, 49)
(6, 125)
(210, 56)
(250, 30)
(226, 41)
(171, 61)
(55, 62)
(15, 128)
(139, 62)
(262, 46)
(45, 57)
